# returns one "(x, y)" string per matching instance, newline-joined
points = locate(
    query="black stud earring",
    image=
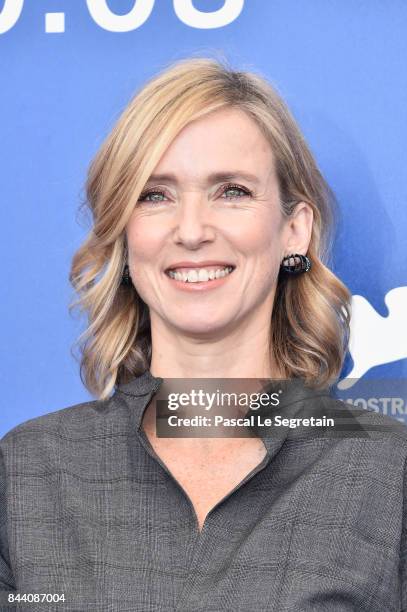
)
(295, 264)
(126, 280)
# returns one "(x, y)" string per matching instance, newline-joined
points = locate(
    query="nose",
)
(192, 221)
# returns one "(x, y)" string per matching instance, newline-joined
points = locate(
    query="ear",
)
(298, 229)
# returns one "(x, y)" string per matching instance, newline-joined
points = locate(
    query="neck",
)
(242, 353)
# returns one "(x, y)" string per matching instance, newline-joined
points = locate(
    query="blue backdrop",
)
(67, 69)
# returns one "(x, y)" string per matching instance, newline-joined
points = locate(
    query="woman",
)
(205, 199)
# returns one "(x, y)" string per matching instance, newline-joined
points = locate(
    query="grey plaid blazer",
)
(89, 512)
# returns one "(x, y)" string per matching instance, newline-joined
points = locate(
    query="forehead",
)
(224, 140)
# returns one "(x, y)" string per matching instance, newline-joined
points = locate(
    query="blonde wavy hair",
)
(309, 326)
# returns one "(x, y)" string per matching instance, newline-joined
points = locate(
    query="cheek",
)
(144, 241)
(270, 236)
(259, 236)
(261, 243)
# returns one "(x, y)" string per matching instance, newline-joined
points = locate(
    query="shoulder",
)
(72, 429)
(75, 415)
(376, 441)
(368, 417)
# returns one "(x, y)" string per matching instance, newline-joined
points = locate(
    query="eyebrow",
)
(215, 177)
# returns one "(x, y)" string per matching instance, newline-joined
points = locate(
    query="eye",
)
(153, 192)
(156, 196)
(235, 189)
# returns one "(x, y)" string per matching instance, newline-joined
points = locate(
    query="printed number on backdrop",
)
(105, 18)
(184, 9)
(9, 15)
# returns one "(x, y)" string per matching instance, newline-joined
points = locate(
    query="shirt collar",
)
(295, 397)
(140, 385)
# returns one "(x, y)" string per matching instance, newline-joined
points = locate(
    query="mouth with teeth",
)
(199, 275)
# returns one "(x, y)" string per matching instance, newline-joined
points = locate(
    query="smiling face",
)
(215, 204)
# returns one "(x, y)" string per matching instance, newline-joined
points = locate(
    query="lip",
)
(199, 264)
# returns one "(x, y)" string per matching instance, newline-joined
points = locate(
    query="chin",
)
(200, 326)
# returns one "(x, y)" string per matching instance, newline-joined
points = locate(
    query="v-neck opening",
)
(199, 532)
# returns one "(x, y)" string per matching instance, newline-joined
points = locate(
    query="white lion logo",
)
(374, 339)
